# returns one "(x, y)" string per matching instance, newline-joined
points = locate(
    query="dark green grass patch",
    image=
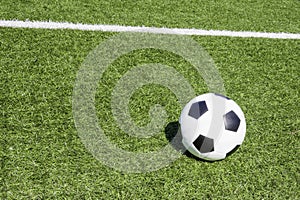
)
(269, 16)
(42, 156)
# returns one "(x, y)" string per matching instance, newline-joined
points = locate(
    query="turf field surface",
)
(42, 156)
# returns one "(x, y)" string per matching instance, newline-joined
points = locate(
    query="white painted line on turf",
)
(118, 28)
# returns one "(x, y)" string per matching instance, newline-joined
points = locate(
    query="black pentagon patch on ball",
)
(232, 121)
(198, 109)
(204, 144)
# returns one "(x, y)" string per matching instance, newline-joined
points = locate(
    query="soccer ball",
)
(212, 126)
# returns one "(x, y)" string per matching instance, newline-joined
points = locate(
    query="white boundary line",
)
(118, 28)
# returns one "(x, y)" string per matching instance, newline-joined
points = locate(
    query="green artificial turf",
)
(42, 156)
(264, 15)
